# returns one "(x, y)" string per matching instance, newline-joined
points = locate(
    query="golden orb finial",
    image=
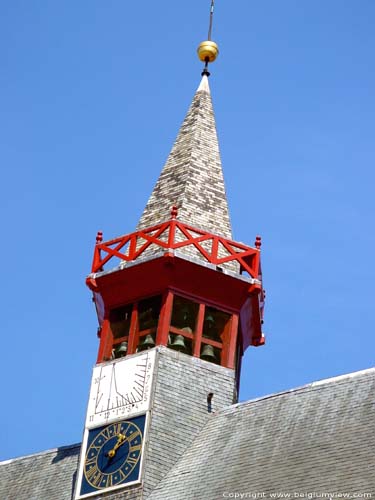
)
(208, 51)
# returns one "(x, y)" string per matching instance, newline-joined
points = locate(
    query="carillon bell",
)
(208, 353)
(210, 330)
(121, 350)
(178, 343)
(210, 319)
(147, 343)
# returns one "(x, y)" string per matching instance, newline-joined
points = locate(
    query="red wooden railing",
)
(167, 236)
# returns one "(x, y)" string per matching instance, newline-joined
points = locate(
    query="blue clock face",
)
(113, 455)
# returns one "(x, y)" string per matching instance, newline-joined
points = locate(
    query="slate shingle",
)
(313, 440)
(43, 476)
(192, 177)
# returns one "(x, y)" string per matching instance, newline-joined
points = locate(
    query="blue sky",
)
(92, 95)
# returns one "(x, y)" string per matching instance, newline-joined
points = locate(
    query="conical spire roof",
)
(192, 178)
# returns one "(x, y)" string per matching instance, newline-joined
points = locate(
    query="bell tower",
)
(178, 301)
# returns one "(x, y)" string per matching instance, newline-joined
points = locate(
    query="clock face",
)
(112, 456)
(120, 388)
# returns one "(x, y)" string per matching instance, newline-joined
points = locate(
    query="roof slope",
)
(44, 476)
(316, 439)
(192, 177)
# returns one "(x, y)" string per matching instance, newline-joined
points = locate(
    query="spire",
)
(192, 178)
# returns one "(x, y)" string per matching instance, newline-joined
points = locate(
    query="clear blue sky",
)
(92, 94)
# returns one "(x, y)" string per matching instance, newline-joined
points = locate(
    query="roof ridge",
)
(300, 388)
(42, 453)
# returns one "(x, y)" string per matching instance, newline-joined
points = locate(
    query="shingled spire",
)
(192, 178)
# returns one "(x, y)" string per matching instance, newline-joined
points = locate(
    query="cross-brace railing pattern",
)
(173, 235)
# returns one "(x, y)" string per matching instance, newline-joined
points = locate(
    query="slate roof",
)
(315, 440)
(192, 177)
(49, 475)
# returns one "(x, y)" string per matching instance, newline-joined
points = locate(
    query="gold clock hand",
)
(120, 441)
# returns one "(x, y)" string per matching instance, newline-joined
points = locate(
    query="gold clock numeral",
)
(91, 461)
(133, 435)
(94, 475)
(97, 479)
(122, 475)
(106, 433)
(106, 481)
(136, 447)
(117, 428)
(132, 461)
(90, 471)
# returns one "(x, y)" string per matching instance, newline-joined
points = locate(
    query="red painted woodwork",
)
(153, 277)
(230, 360)
(132, 246)
(106, 340)
(167, 274)
(165, 318)
(133, 327)
(198, 333)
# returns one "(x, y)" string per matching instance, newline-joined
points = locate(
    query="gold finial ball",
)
(208, 51)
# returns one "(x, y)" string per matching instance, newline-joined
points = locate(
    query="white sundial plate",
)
(120, 389)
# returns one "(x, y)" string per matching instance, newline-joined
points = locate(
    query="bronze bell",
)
(148, 343)
(208, 353)
(121, 350)
(209, 319)
(178, 343)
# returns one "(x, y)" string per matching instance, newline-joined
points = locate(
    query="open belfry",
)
(178, 302)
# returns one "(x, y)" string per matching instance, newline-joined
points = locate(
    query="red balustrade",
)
(174, 235)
